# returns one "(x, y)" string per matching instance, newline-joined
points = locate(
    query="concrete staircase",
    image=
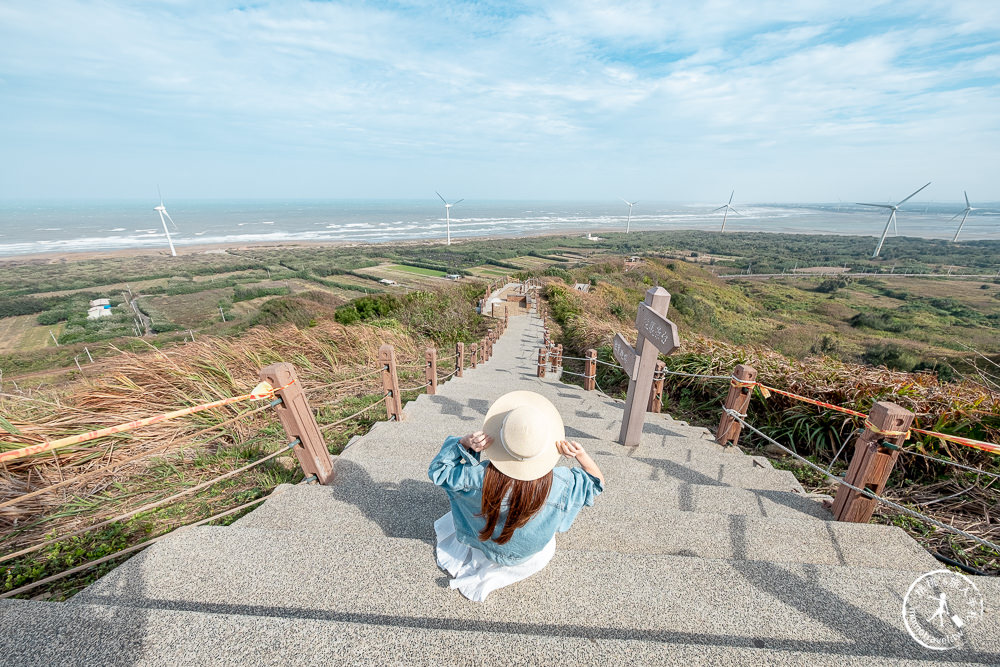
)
(694, 554)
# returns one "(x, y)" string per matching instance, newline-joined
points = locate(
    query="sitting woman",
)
(505, 511)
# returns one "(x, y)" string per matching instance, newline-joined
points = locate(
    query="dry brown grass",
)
(143, 385)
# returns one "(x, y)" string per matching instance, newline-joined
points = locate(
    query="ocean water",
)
(28, 227)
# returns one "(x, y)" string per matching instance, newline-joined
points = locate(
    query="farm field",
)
(23, 332)
(418, 270)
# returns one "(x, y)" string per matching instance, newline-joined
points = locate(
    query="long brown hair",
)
(526, 498)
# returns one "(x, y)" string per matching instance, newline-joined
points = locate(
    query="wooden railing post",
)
(390, 383)
(553, 364)
(590, 370)
(543, 359)
(431, 355)
(738, 399)
(656, 391)
(485, 356)
(459, 358)
(298, 421)
(559, 355)
(474, 354)
(887, 424)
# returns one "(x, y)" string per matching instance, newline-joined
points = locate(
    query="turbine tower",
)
(447, 212)
(729, 207)
(630, 204)
(964, 214)
(163, 212)
(892, 217)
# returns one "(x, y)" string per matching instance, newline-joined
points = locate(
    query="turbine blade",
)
(731, 196)
(719, 209)
(901, 203)
(967, 204)
(627, 202)
(460, 200)
(159, 194)
(955, 216)
(861, 203)
(440, 197)
(170, 219)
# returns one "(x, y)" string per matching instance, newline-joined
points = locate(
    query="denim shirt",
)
(460, 473)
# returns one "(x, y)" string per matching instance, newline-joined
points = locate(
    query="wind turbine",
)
(964, 214)
(447, 212)
(163, 212)
(892, 217)
(630, 204)
(729, 207)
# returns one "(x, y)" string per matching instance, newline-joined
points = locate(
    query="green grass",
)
(418, 270)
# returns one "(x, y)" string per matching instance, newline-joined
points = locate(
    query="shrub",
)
(879, 322)
(831, 285)
(891, 356)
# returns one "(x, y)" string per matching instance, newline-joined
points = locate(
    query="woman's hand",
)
(476, 442)
(569, 448)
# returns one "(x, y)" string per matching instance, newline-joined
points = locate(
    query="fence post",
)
(299, 422)
(559, 355)
(543, 359)
(431, 355)
(590, 370)
(473, 354)
(553, 364)
(390, 383)
(459, 358)
(875, 452)
(656, 391)
(738, 398)
(485, 351)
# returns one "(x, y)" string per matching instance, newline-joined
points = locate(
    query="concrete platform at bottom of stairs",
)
(731, 537)
(828, 609)
(40, 634)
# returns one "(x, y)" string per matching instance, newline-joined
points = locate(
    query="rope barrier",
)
(261, 391)
(608, 363)
(865, 492)
(341, 421)
(149, 506)
(588, 377)
(445, 377)
(127, 550)
(978, 471)
(426, 384)
(345, 381)
(101, 471)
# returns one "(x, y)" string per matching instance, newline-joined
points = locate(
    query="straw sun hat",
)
(525, 427)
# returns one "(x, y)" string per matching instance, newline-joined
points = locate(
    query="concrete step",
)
(830, 609)
(620, 471)
(422, 442)
(731, 537)
(113, 635)
(405, 507)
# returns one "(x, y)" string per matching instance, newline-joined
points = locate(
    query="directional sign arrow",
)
(657, 329)
(625, 355)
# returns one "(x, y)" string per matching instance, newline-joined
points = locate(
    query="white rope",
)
(864, 492)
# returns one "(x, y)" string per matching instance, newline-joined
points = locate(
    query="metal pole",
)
(88, 355)
(222, 313)
(53, 338)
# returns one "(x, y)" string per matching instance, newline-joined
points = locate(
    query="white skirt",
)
(475, 575)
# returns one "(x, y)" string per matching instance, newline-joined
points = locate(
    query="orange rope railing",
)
(261, 391)
(766, 391)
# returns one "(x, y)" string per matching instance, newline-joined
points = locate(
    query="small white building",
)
(582, 287)
(453, 276)
(98, 312)
(100, 302)
(386, 281)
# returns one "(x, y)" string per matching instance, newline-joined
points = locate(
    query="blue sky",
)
(679, 101)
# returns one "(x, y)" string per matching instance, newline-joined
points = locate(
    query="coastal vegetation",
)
(210, 320)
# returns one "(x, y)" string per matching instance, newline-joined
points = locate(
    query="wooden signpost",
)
(657, 335)
(624, 355)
